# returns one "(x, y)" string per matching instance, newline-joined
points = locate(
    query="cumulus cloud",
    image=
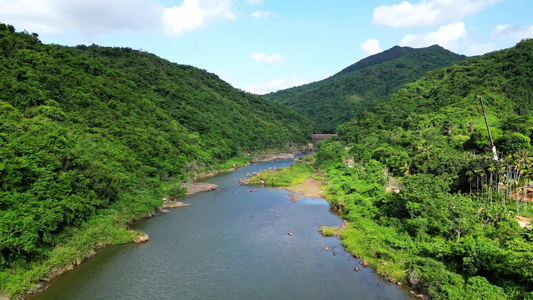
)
(476, 49)
(513, 32)
(447, 36)
(103, 16)
(275, 85)
(95, 16)
(263, 14)
(428, 12)
(267, 58)
(371, 47)
(194, 14)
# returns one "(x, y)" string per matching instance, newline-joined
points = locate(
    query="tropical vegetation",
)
(426, 201)
(91, 138)
(364, 84)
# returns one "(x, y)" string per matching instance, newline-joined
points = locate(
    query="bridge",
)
(320, 137)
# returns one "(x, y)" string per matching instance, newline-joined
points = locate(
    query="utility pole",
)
(488, 129)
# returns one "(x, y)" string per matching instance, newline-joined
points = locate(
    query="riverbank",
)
(112, 228)
(302, 181)
(310, 188)
(248, 230)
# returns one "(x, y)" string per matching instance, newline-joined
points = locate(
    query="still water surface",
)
(229, 244)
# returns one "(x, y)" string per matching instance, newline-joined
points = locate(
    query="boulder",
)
(364, 263)
(414, 279)
(142, 239)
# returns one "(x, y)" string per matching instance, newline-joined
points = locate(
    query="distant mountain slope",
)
(91, 131)
(364, 84)
(504, 79)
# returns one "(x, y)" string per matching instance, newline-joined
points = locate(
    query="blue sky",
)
(266, 45)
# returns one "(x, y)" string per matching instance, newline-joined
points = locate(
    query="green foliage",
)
(373, 80)
(175, 190)
(86, 131)
(295, 174)
(511, 143)
(449, 219)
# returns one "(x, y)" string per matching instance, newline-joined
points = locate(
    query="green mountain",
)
(364, 84)
(91, 136)
(447, 225)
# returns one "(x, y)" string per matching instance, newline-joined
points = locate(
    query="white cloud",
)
(96, 16)
(263, 14)
(371, 47)
(276, 85)
(513, 32)
(428, 12)
(447, 36)
(267, 58)
(194, 14)
(103, 16)
(256, 2)
(476, 49)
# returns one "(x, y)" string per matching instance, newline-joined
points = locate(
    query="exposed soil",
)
(308, 189)
(272, 157)
(198, 187)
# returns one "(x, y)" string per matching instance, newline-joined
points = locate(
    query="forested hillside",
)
(427, 203)
(364, 84)
(90, 137)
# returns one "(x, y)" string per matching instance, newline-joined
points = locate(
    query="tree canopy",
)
(372, 80)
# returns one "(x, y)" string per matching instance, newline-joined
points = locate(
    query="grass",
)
(295, 174)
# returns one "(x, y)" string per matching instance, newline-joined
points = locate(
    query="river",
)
(229, 244)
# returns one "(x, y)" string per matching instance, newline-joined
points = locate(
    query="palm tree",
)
(524, 163)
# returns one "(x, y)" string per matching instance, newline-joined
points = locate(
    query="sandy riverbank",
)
(310, 188)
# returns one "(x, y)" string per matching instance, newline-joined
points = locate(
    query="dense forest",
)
(427, 203)
(92, 137)
(364, 84)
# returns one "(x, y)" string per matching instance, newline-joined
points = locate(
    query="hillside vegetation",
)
(446, 222)
(92, 137)
(364, 84)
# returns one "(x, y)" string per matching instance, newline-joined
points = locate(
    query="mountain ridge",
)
(335, 100)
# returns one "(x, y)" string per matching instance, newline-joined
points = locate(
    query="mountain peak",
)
(363, 84)
(387, 55)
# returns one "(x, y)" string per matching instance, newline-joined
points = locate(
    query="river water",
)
(229, 244)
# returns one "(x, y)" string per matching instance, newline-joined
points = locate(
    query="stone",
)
(290, 234)
(326, 248)
(414, 279)
(364, 263)
(357, 269)
(142, 239)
